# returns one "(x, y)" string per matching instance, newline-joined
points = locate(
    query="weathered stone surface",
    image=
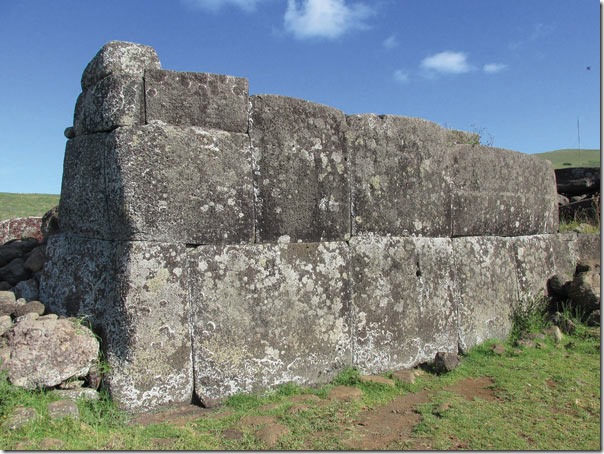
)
(20, 417)
(268, 314)
(20, 228)
(538, 259)
(197, 99)
(300, 170)
(79, 276)
(176, 184)
(486, 288)
(403, 310)
(14, 271)
(445, 362)
(35, 260)
(584, 290)
(83, 204)
(65, 408)
(501, 192)
(398, 176)
(27, 289)
(6, 323)
(404, 376)
(7, 297)
(119, 57)
(16, 248)
(46, 352)
(50, 222)
(145, 327)
(116, 100)
(33, 306)
(586, 247)
(77, 393)
(378, 379)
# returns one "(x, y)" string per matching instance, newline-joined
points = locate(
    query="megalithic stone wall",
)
(221, 242)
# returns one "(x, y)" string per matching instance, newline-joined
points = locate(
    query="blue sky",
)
(514, 70)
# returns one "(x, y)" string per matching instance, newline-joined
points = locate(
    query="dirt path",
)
(389, 426)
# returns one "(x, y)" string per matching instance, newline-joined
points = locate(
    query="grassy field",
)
(538, 398)
(568, 158)
(23, 205)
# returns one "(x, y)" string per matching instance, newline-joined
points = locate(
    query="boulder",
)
(27, 289)
(44, 353)
(36, 259)
(14, 272)
(50, 223)
(584, 290)
(445, 362)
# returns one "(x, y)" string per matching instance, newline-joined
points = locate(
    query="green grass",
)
(568, 158)
(24, 205)
(547, 398)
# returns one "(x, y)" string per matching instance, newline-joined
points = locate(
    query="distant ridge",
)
(572, 157)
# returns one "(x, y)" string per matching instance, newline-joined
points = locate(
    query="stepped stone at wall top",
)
(221, 242)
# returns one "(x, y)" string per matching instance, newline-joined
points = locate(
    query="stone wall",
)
(223, 242)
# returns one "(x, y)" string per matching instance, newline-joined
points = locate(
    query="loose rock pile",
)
(39, 349)
(581, 294)
(578, 192)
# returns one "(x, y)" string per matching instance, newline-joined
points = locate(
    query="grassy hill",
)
(24, 205)
(567, 158)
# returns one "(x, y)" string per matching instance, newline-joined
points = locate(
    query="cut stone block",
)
(300, 170)
(403, 309)
(399, 182)
(197, 99)
(268, 314)
(501, 192)
(135, 295)
(117, 100)
(177, 184)
(83, 203)
(538, 258)
(486, 288)
(146, 327)
(587, 247)
(78, 277)
(119, 57)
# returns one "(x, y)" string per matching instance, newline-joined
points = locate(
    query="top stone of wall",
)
(159, 155)
(119, 57)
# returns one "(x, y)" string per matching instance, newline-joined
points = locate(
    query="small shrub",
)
(528, 316)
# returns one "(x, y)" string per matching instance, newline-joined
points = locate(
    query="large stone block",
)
(268, 314)
(538, 258)
(300, 170)
(83, 203)
(501, 192)
(145, 328)
(78, 277)
(398, 173)
(197, 99)
(587, 247)
(486, 288)
(114, 101)
(180, 184)
(119, 57)
(403, 309)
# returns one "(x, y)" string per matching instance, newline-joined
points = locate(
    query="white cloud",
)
(324, 18)
(492, 68)
(390, 42)
(401, 76)
(447, 63)
(215, 6)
